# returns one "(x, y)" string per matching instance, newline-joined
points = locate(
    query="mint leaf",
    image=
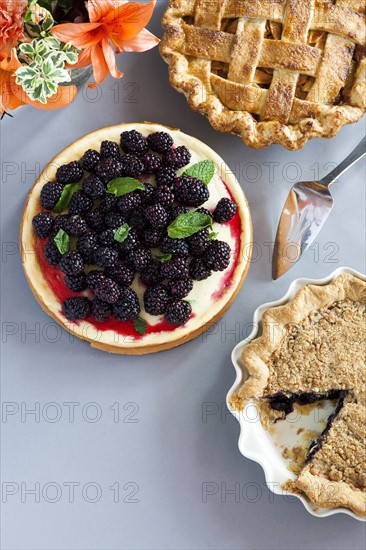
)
(66, 195)
(212, 235)
(122, 186)
(186, 225)
(140, 325)
(62, 241)
(122, 232)
(203, 170)
(163, 258)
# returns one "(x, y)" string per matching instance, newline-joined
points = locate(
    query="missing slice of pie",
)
(314, 348)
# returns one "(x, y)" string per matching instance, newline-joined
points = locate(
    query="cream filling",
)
(203, 307)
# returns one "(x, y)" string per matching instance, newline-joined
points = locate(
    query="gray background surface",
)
(173, 440)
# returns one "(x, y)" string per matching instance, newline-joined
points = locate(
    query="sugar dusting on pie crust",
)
(316, 343)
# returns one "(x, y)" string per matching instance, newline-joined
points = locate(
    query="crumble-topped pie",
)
(271, 71)
(310, 349)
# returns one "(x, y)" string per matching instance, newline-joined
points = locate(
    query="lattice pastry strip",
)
(283, 86)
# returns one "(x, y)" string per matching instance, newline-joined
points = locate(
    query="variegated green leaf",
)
(27, 48)
(47, 23)
(52, 42)
(71, 57)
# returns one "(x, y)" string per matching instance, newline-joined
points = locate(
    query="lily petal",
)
(128, 20)
(98, 9)
(100, 67)
(110, 59)
(81, 35)
(144, 41)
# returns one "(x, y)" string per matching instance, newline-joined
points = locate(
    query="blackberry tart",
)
(311, 349)
(135, 238)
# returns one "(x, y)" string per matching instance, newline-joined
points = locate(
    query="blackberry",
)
(72, 263)
(133, 142)
(108, 203)
(161, 142)
(156, 299)
(121, 274)
(109, 149)
(105, 256)
(87, 245)
(75, 226)
(129, 202)
(174, 246)
(152, 163)
(80, 203)
(106, 237)
(146, 194)
(108, 169)
(90, 159)
(131, 242)
(198, 243)
(93, 278)
(107, 290)
(224, 211)
(190, 191)
(95, 219)
(75, 309)
(217, 255)
(165, 176)
(151, 275)
(202, 210)
(164, 196)
(94, 187)
(198, 270)
(51, 253)
(178, 157)
(50, 194)
(69, 173)
(176, 268)
(76, 283)
(139, 258)
(43, 224)
(102, 311)
(128, 306)
(131, 166)
(59, 222)
(178, 312)
(137, 220)
(180, 289)
(114, 220)
(151, 237)
(175, 211)
(156, 215)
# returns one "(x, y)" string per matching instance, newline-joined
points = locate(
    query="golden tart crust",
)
(271, 71)
(316, 343)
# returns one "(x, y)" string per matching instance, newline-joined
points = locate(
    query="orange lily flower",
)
(12, 95)
(116, 22)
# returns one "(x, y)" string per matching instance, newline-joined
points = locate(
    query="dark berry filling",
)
(285, 403)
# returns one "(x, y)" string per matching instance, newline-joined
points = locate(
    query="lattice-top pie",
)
(313, 348)
(271, 71)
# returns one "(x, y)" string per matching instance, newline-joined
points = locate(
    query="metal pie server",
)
(306, 209)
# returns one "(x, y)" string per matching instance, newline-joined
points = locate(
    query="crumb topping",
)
(342, 455)
(327, 350)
